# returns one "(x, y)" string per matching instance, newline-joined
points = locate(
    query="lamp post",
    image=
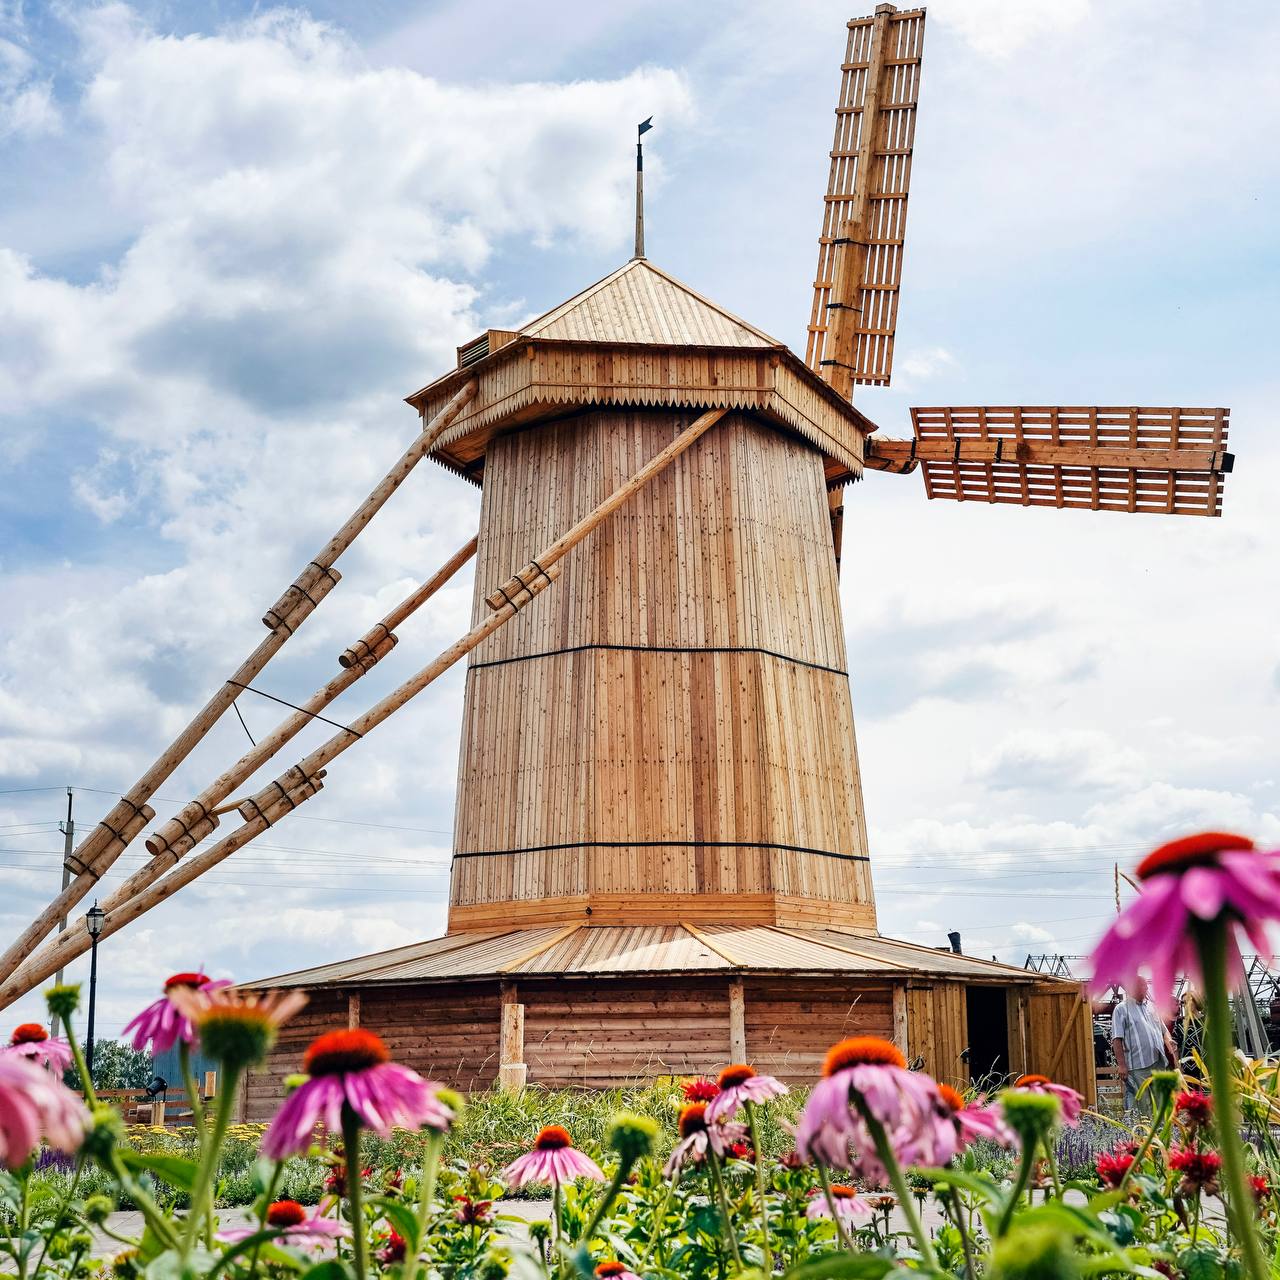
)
(93, 922)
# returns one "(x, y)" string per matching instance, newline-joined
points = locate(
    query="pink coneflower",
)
(353, 1069)
(1070, 1099)
(1113, 1167)
(697, 1134)
(866, 1072)
(615, 1271)
(700, 1090)
(295, 1225)
(162, 1022)
(974, 1120)
(738, 1084)
(1198, 878)
(35, 1104)
(850, 1206)
(31, 1040)
(554, 1159)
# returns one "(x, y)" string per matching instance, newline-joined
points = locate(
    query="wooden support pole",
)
(845, 302)
(311, 768)
(353, 1010)
(98, 852)
(737, 1021)
(900, 1037)
(512, 1069)
(884, 453)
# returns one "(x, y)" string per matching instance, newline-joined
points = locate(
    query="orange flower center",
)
(1191, 851)
(338, 1052)
(553, 1138)
(862, 1050)
(29, 1033)
(286, 1213)
(693, 1119)
(1023, 1081)
(192, 980)
(951, 1097)
(840, 1192)
(610, 1269)
(735, 1075)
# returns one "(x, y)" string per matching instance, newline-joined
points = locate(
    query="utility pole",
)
(68, 830)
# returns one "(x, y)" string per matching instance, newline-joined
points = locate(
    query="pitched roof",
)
(642, 303)
(682, 948)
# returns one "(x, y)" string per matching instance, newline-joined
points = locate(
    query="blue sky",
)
(233, 236)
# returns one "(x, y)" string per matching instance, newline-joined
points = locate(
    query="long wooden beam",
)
(99, 850)
(311, 768)
(902, 456)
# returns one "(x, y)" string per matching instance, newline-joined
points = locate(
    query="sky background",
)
(233, 237)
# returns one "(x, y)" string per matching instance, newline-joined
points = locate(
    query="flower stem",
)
(210, 1149)
(1211, 938)
(355, 1188)
(197, 1119)
(1047, 1142)
(611, 1193)
(713, 1164)
(953, 1201)
(1157, 1122)
(825, 1180)
(764, 1204)
(427, 1180)
(82, 1067)
(899, 1183)
(1015, 1194)
(659, 1219)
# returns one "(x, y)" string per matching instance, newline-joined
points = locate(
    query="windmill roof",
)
(642, 303)
(599, 950)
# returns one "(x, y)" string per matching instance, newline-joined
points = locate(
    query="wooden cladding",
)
(1168, 461)
(1059, 1030)
(674, 718)
(855, 290)
(937, 1030)
(534, 379)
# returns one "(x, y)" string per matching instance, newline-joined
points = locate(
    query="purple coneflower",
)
(554, 1159)
(1070, 1099)
(850, 1206)
(31, 1040)
(352, 1069)
(162, 1022)
(1197, 879)
(697, 1133)
(295, 1225)
(33, 1104)
(868, 1073)
(738, 1084)
(974, 1120)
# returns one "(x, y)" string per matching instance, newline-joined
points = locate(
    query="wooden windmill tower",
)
(660, 851)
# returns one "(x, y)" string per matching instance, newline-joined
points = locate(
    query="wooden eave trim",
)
(694, 932)
(542, 947)
(1011, 970)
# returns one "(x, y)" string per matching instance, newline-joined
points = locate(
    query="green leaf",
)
(843, 1266)
(402, 1218)
(1200, 1264)
(333, 1269)
(176, 1171)
(260, 1239)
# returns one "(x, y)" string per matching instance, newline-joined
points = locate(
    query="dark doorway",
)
(988, 1028)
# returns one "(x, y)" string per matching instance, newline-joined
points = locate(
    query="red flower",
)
(1199, 1169)
(1260, 1187)
(791, 1160)
(1194, 1107)
(472, 1213)
(28, 1033)
(393, 1250)
(742, 1151)
(286, 1213)
(1113, 1166)
(699, 1090)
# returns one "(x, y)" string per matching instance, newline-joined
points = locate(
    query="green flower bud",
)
(105, 1132)
(98, 1208)
(452, 1099)
(63, 1001)
(295, 1081)
(632, 1137)
(1030, 1115)
(236, 1037)
(80, 1242)
(1038, 1252)
(1163, 1085)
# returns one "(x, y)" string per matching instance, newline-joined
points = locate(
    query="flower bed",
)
(367, 1167)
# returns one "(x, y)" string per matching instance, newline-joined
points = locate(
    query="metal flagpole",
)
(645, 126)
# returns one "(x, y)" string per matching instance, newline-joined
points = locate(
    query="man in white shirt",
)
(1141, 1041)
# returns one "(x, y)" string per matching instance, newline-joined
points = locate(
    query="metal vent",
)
(473, 351)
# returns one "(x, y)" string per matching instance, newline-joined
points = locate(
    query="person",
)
(1141, 1042)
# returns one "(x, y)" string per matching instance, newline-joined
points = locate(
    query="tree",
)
(117, 1065)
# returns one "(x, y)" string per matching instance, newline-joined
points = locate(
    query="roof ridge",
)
(715, 306)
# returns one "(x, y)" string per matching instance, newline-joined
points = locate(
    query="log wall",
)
(668, 731)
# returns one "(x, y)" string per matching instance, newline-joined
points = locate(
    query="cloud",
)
(1068, 760)
(998, 28)
(27, 107)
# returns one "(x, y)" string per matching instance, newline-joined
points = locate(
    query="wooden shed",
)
(660, 851)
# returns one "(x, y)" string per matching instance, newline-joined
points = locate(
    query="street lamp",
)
(93, 920)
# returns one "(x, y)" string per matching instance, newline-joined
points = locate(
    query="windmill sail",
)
(855, 291)
(1169, 461)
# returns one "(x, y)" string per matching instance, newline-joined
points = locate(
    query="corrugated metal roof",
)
(675, 948)
(642, 303)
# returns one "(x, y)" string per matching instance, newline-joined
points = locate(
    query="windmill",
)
(660, 849)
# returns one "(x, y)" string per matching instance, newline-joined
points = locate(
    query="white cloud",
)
(999, 28)
(27, 107)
